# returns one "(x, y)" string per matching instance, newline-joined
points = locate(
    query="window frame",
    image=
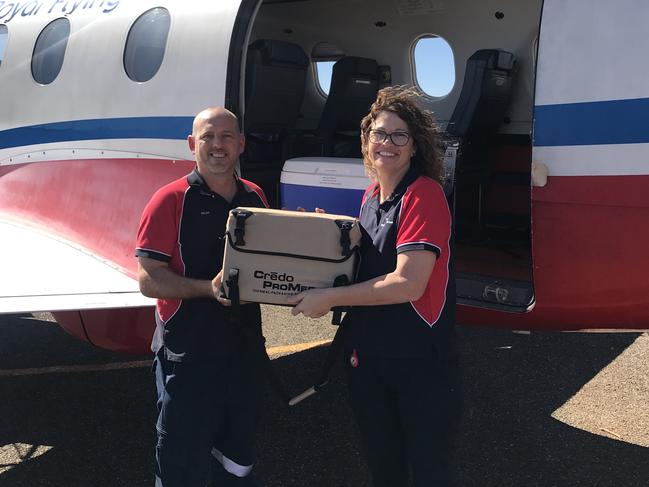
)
(3, 47)
(413, 64)
(127, 43)
(324, 51)
(43, 52)
(316, 76)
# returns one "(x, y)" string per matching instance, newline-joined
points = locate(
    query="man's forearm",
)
(164, 283)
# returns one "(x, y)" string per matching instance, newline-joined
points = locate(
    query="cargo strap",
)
(341, 280)
(332, 353)
(240, 228)
(255, 340)
(345, 227)
(233, 285)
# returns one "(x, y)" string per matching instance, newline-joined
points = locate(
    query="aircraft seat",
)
(354, 83)
(275, 83)
(485, 94)
(479, 112)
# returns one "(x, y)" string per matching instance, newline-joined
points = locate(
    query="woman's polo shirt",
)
(415, 217)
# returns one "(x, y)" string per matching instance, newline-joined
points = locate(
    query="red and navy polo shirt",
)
(415, 217)
(183, 224)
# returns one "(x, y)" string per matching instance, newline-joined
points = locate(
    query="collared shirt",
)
(415, 217)
(183, 224)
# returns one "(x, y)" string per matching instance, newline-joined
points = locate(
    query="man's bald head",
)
(216, 143)
(214, 113)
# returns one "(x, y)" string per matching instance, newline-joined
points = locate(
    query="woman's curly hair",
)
(403, 101)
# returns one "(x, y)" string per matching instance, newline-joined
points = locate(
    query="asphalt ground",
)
(545, 409)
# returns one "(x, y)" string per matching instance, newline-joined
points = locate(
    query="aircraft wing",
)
(41, 273)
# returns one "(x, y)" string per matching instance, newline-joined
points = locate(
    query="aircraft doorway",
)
(286, 40)
(492, 216)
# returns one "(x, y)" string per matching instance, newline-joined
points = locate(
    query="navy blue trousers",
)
(206, 422)
(405, 410)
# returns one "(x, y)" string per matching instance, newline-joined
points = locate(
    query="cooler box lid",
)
(325, 172)
(326, 165)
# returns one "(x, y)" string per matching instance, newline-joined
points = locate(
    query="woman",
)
(400, 326)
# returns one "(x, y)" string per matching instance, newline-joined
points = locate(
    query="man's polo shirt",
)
(414, 217)
(183, 224)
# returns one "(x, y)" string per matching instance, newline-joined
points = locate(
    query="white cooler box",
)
(334, 184)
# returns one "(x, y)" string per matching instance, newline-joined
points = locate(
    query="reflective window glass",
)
(323, 71)
(49, 51)
(146, 43)
(3, 41)
(324, 55)
(434, 66)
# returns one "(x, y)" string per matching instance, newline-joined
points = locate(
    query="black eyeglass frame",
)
(382, 135)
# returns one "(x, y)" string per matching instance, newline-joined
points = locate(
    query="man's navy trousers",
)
(207, 416)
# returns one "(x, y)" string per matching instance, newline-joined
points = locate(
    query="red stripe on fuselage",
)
(590, 234)
(93, 203)
(591, 269)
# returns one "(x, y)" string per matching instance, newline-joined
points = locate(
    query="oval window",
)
(3, 41)
(324, 55)
(146, 43)
(49, 51)
(323, 70)
(434, 66)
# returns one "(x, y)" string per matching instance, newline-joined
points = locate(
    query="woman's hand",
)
(313, 303)
(302, 209)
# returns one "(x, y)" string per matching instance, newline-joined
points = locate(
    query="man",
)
(208, 390)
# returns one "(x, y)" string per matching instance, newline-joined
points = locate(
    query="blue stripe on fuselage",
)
(175, 128)
(592, 123)
(589, 123)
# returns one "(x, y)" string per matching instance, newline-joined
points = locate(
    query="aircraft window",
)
(434, 66)
(146, 43)
(324, 55)
(49, 51)
(323, 71)
(3, 41)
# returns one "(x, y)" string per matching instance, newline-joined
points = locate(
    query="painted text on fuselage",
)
(29, 8)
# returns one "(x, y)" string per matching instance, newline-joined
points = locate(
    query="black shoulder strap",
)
(333, 351)
(255, 340)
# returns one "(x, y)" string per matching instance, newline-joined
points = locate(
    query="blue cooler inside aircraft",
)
(334, 184)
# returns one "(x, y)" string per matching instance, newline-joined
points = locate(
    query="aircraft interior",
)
(486, 117)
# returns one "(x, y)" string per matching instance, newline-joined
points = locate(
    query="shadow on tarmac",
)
(100, 425)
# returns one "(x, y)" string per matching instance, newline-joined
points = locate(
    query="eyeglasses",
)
(397, 138)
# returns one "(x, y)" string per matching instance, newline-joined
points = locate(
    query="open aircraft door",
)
(589, 170)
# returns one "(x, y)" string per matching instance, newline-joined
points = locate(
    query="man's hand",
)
(216, 284)
(216, 289)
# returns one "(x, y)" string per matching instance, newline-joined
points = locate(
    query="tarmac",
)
(539, 409)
